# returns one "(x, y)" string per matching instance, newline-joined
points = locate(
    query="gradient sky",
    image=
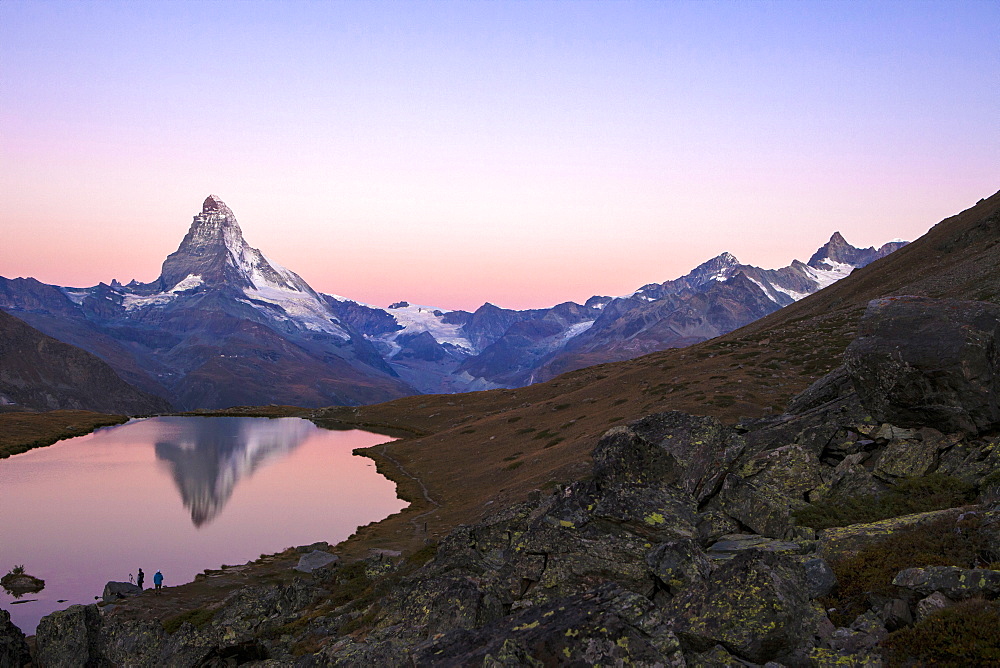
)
(523, 153)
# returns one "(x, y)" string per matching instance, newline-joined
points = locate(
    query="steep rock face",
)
(928, 362)
(70, 637)
(41, 373)
(14, 651)
(214, 252)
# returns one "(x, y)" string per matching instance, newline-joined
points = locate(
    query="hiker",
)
(140, 579)
(158, 580)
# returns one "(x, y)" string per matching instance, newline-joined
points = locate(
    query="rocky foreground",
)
(862, 527)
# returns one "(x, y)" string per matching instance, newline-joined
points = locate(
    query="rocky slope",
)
(690, 543)
(38, 372)
(221, 326)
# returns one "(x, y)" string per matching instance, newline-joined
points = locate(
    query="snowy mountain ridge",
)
(224, 325)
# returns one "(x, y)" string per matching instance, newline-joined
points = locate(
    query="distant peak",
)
(213, 204)
(837, 238)
(728, 258)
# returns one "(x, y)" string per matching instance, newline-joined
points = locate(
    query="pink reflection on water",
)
(178, 495)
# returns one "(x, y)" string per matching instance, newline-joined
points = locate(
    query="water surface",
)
(179, 495)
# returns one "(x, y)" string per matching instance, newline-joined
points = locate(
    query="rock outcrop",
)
(114, 591)
(70, 637)
(14, 651)
(929, 362)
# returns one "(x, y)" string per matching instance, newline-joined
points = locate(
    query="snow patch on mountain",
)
(132, 302)
(577, 329)
(416, 319)
(76, 295)
(825, 277)
(190, 282)
(767, 293)
(303, 308)
(791, 293)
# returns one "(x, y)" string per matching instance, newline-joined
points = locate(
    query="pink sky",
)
(452, 153)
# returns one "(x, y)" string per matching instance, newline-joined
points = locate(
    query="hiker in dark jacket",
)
(139, 579)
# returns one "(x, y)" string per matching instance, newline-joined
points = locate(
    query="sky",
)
(454, 153)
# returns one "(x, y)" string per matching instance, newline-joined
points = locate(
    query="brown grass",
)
(20, 432)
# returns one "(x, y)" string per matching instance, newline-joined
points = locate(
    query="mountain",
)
(495, 347)
(222, 325)
(587, 519)
(40, 373)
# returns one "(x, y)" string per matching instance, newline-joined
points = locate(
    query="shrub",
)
(198, 617)
(965, 634)
(922, 494)
(940, 543)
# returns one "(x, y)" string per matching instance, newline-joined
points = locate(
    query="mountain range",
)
(224, 325)
(589, 519)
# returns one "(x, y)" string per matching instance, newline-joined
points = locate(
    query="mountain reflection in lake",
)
(209, 456)
(179, 495)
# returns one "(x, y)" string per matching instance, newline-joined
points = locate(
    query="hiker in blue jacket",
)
(158, 580)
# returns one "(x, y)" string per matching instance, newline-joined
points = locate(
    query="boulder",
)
(114, 591)
(919, 362)
(678, 563)
(933, 603)
(895, 614)
(864, 633)
(830, 387)
(607, 626)
(955, 583)
(13, 647)
(70, 637)
(314, 560)
(700, 449)
(760, 508)
(820, 578)
(755, 605)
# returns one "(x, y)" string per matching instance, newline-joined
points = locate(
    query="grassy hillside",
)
(499, 445)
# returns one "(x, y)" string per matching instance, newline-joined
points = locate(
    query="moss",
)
(922, 494)
(966, 634)
(555, 441)
(197, 617)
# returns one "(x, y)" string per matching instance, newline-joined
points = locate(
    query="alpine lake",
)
(177, 495)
